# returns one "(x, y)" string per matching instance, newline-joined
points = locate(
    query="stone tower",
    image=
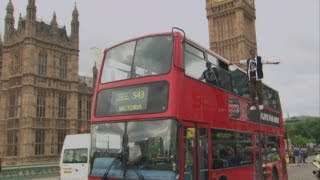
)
(42, 97)
(231, 27)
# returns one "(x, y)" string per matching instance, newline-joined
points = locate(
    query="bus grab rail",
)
(179, 29)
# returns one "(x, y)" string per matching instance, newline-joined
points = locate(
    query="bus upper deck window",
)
(142, 57)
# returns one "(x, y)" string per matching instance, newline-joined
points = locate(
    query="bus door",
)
(260, 155)
(195, 138)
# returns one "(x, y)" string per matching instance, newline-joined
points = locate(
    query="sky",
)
(286, 30)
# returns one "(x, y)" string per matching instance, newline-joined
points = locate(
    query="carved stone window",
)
(79, 107)
(61, 135)
(39, 142)
(42, 65)
(62, 106)
(63, 67)
(41, 105)
(14, 103)
(12, 142)
(16, 63)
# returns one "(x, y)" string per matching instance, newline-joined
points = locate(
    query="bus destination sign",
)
(129, 99)
(134, 99)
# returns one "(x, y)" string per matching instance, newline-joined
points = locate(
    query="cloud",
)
(289, 32)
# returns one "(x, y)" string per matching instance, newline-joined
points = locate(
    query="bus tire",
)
(275, 174)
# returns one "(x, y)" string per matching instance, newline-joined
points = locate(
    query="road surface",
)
(295, 171)
(302, 171)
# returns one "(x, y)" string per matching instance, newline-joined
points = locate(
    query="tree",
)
(299, 141)
(303, 131)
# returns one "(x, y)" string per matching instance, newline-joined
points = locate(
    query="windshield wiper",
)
(140, 176)
(123, 156)
(105, 175)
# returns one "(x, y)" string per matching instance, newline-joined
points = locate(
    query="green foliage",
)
(299, 140)
(304, 131)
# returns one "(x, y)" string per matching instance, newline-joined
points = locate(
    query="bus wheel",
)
(275, 174)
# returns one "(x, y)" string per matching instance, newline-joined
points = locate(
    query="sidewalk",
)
(302, 171)
(309, 160)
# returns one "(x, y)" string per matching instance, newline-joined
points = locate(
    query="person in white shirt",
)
(255, 75)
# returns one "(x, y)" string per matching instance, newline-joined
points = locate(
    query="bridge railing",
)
(29, 171)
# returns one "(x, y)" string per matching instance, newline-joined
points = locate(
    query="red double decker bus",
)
(155, 118)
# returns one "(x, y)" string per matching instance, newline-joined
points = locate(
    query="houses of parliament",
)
(43, 98)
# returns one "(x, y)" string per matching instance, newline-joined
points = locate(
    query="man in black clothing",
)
(255, 75)
(210, 75)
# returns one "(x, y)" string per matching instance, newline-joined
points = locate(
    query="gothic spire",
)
(54, 24)
(9, 20)
(20, 18)
(75, 13)
(54, 18)
(20, 23)
(10, 8)
(75, 24)
(31, 10)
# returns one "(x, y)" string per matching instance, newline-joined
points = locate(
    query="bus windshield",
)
(151, 149)
(142, 57)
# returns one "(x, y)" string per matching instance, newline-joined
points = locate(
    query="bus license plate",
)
(67, 171)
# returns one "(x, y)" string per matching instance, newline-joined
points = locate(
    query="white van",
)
(74, 159)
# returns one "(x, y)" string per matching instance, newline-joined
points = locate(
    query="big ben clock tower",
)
(231, 27)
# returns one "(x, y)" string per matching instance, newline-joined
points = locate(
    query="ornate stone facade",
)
(231, 27)
(42, 97)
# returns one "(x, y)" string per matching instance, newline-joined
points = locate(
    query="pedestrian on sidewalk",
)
(304, 156)
(297, 155)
